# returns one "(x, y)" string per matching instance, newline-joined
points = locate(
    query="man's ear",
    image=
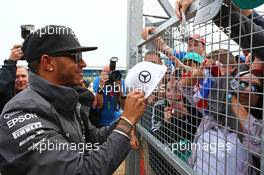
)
(47, 63)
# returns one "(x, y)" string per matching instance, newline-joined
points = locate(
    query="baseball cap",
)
(241, 58)
(207, 10)
(145, 76)
(193, 56)
(52, 39)
(248, 4)
(197, 37)
(179, 54)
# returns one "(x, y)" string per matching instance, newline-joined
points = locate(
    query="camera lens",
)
(115, 75)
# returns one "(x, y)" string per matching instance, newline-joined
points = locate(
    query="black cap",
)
(51, 39)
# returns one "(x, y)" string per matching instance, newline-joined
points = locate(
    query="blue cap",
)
(242, 58)
(179, 54)
(193, 56)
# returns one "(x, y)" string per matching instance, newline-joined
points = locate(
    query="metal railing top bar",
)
(155, 16)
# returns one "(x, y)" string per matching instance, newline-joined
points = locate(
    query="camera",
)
(114, 74)
(26, 30)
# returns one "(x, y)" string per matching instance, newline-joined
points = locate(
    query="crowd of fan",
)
(213, 99)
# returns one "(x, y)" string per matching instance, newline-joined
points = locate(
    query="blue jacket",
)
(111, 107)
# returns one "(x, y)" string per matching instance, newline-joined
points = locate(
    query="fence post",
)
(134, 27)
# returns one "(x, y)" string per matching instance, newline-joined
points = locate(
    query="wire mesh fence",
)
(208, 108)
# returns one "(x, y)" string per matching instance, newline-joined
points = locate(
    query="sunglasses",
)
(253, 88)
(77, 57)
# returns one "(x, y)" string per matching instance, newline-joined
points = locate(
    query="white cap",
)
(207, 10)
(145, 76)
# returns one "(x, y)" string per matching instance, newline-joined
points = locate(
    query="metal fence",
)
(208, 117)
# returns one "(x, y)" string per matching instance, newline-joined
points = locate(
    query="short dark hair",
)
(221, 55)
(33, 66)
(153, 53)
(156, 54)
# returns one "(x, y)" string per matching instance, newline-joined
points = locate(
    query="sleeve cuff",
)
(122, 133)
(9, 61)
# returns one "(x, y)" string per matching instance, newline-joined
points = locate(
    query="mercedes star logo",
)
(144, 76)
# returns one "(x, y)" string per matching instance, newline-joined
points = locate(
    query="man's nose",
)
(19, 78)
(82, 63)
